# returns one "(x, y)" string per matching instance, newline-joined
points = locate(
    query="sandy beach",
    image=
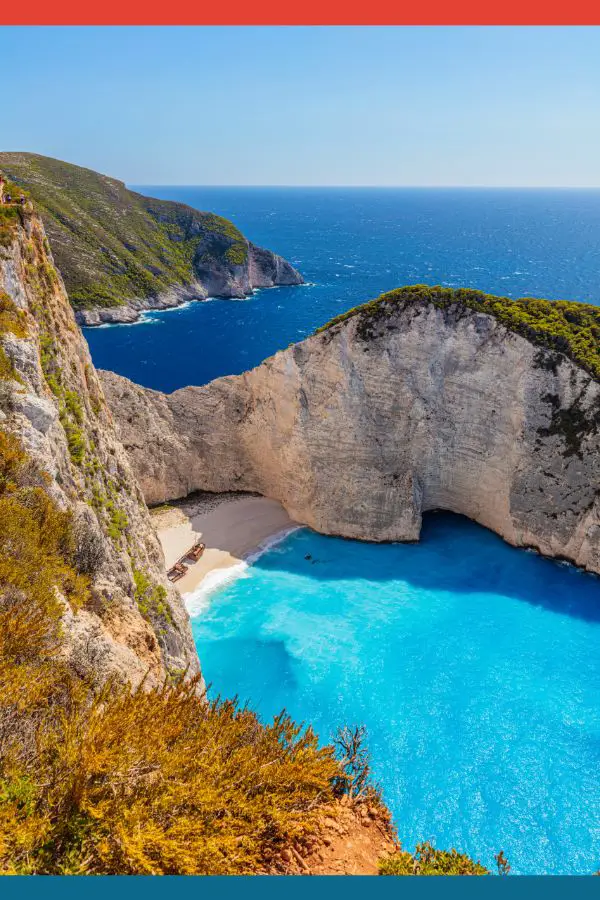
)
(233, 527)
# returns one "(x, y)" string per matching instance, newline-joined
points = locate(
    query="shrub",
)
(9, 219)
(159, 782)
(150, 597)
(426, 860)
(237, 254)
(75, 439)
(37, 544)
(12, 319)
(354, 761)
(570, 328)
(117, 520)
(7, 369)
(90, 551)
(73, 405)
(502, 863)
(13, 461)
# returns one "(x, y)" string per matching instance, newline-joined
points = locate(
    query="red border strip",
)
(306, 12)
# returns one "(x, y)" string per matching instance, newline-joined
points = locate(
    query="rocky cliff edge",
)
(134, 626)
(414, 405)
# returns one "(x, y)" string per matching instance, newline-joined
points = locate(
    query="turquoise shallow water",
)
(474, 666)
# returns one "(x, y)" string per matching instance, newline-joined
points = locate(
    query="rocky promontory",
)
(425, 399)
(121, 253)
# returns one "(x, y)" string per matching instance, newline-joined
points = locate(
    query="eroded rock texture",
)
(53, 401)
(362, 428)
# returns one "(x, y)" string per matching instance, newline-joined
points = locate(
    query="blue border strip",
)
(275, 887)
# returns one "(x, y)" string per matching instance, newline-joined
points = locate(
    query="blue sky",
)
(319, 106)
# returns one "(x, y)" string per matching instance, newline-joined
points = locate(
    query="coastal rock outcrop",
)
(213, 276)
(134, 626)
(417, 404)
(121, 253)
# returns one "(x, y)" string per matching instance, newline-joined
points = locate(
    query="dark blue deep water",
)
(475, 667)
(350, 245)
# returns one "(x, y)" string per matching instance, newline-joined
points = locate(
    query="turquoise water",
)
(474, 666)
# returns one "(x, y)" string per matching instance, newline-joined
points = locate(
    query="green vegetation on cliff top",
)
(567, 327)
(428, 860)
(112, 245)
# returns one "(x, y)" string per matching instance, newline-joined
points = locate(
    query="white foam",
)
(198, 600)
(270, 543)
(148, 316)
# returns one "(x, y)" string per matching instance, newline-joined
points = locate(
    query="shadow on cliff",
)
(454, 555)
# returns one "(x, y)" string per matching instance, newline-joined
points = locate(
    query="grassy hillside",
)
(111, 244)
(568, 327)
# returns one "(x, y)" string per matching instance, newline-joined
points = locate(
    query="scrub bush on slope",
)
(114, 781)
(563, 326)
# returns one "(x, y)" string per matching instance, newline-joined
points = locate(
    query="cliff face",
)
(134, 625)
(362, 428)
(121, 253)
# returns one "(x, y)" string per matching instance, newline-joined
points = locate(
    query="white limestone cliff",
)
(362, 428)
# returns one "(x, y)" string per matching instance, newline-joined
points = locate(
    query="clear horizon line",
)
(462, 187)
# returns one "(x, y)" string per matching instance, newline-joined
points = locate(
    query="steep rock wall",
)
(362, 428)
(135, 626)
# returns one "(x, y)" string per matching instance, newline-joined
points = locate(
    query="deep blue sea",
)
(474, 666)
(350, 245)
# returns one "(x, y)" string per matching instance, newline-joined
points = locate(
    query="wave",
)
(148, 316)
(198, 600)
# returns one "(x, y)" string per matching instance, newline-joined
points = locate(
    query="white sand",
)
(232, 526)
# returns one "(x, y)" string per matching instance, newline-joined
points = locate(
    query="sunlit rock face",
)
(53, 402)
(365, 426)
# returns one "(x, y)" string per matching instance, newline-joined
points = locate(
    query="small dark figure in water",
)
(308, 556)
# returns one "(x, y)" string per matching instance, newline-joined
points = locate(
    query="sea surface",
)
(475, 667)
(351, 245)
